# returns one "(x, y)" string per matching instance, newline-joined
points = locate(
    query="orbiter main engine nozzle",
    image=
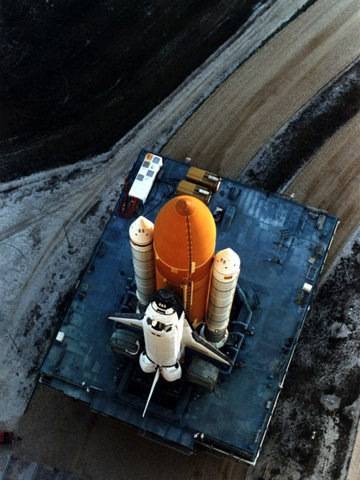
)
(184, 246)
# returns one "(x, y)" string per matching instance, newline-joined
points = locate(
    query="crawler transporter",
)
(186, 318)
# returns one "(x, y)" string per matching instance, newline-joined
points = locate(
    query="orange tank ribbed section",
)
(184, 244)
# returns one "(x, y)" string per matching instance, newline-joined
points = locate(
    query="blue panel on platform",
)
(282, 245)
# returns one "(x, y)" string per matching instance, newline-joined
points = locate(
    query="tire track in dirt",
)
(77, 204)
(75, 214)
(58, 205)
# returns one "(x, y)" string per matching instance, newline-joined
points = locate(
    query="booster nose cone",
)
(184, 245)
(141, 231)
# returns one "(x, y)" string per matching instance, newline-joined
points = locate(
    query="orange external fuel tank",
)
(184, 246)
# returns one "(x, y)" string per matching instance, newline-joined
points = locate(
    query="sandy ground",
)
(331, 181)
(263, 93)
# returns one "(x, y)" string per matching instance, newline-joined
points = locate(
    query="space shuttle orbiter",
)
(167, 334)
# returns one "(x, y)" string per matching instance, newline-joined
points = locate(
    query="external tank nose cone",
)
(184, 232)
(184, 207)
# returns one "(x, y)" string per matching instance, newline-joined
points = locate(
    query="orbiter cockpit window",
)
(158, 326)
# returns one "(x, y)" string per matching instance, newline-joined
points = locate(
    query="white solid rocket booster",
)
(225, 274)
(141, 241)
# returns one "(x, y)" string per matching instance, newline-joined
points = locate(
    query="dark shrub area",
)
(75, 75)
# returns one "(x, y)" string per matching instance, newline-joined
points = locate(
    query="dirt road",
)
(331, 180)
(248, 108)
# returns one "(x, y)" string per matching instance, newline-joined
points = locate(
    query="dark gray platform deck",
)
(282, 245)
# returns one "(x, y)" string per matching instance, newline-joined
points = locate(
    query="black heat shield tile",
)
(282, 245)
